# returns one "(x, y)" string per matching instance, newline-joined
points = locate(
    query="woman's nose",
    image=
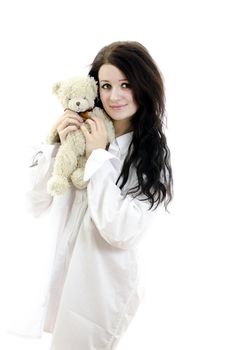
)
(115, 95)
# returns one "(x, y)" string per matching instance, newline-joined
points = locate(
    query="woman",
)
(94, 290)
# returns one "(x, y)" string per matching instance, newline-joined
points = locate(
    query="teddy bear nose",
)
(78, 103)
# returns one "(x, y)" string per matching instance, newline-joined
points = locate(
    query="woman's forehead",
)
(109, 72)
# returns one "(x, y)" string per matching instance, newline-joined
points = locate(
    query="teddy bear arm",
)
(65, 164)
(53, 137)
(66, 161)
(78, 140)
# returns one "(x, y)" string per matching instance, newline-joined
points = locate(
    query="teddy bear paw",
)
(57, 185)
(77, 179)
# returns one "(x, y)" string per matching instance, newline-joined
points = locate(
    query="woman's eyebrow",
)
(104, 80)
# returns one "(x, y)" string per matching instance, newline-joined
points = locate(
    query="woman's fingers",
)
(92, 124)
(69, 121)
(95, 133)
(96, 137)
(96, 124)
(64, 132)
(73, 115)
(100, 125)
(85, 132)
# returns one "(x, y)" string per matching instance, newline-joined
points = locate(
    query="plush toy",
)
(77, 94)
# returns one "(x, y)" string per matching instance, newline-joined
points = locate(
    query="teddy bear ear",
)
(94, 85)
(56, 87)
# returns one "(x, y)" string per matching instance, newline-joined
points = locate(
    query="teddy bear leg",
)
(77, 179)
(57, 185)
(78, 174)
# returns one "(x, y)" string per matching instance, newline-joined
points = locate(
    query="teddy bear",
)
(77, 94)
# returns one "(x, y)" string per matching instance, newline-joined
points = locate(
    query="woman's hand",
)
(96, 137)
(69, 121)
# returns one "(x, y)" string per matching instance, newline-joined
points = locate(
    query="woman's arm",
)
(120, 220)
(37, 197)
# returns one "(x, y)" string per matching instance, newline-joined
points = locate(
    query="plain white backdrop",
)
(186, 257)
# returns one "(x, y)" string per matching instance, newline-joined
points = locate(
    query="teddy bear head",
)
(77, 94)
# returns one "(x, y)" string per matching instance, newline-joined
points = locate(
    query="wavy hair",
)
(148, 152)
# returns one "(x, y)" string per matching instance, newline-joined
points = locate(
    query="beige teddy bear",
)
(77, 94)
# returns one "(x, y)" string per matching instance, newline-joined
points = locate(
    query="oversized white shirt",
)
(94, 286)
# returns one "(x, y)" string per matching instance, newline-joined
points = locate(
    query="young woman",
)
(94, 286)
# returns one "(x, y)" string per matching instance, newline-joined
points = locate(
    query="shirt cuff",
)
(49, 151)
(43, 151)
(95, 161)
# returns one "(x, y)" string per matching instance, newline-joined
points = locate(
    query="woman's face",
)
(116, 94)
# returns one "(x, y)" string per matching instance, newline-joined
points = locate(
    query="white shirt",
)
(94, 288)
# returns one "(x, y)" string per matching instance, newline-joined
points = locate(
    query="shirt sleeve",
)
(120, 219)
(40, 170)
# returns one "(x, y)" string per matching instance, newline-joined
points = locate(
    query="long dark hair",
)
(148, 151)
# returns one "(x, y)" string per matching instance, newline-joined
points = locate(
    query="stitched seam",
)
(118, 324)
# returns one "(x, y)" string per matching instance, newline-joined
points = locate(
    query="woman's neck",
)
(121, 128)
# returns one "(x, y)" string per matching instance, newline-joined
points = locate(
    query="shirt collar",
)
(124, 141)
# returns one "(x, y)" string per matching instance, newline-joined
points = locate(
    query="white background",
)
(187, 257)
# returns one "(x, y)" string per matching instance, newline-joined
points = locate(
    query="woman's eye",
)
(105, 86)
(125, 85)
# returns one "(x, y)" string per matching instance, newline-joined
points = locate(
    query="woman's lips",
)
(117, 106)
